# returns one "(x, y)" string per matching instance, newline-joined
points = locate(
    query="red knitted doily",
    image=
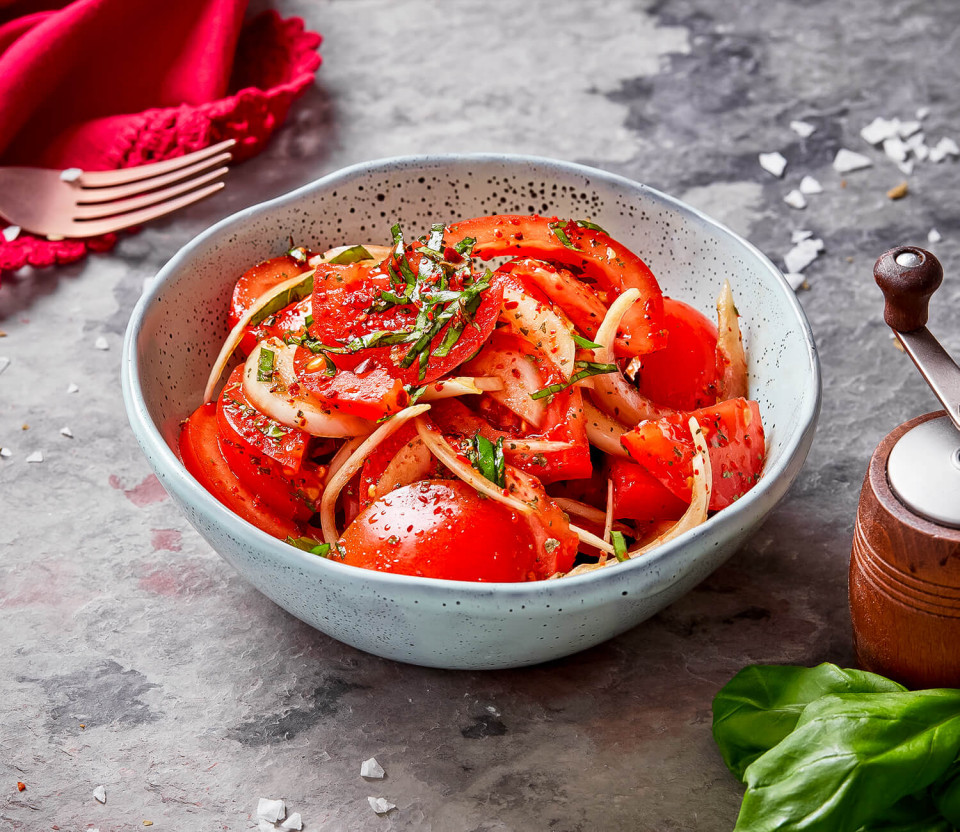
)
(276, 61)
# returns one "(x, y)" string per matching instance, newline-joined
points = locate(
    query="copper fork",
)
(75, 203)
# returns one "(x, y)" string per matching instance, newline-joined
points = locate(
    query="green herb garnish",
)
(354, 254)
(487, 458)
(265, 365)
(591, 225)
(619, 546)
(580, 341)
(298, 253)
(308, 544)
(587, 368)
(290, 295)
(561, 235)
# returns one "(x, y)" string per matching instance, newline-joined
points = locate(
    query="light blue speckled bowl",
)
(179, 324)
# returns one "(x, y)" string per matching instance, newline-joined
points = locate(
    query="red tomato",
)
(202, 457)
(430, 529)
(243, 422)
(734, 437)
(683, 375)
(638, 495)
(597, 255)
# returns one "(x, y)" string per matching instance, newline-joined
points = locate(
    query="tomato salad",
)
(415, 408)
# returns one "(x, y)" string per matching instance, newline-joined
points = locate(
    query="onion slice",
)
(520, 378)
(730, 355)
(411, 463)
(540, 325)
(335, 484)
(534, 446)
(274, 399)
(611, 391)
(608, 519)
(603, 431)
(236, 334)
(378, 253)
(460, 386)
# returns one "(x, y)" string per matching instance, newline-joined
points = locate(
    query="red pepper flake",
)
(451, 255)
(21, 786)
(511, 304)
(518, 235)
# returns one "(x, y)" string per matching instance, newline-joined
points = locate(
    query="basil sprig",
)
(290, 295)
(587, 368)
(354, 254)
(487, 457)
(308, 544)
(826, 749)
(586, 343)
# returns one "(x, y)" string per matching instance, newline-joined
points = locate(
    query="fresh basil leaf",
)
(487, 457)
(591, 225)
(291, 295)
(354, 254)
(619, 546)
(308, 544)
(380, 338)
(436, 237)
(587, 344)
(850, 759)
(587, 368)
(760, 706)
(465, 246)
(561, 235)
(265, 365)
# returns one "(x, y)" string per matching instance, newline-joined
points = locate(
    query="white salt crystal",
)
(292, 822)
(915, 141)
(37, 456)
(895, 149)
(65, 431)
(800, 235)
(937, 154)
(907, 128)
(879, 129)
(948, 147)
(101, 343)
(371, 768)
(809, 185)
(802, 128)
(4, 363)
(922, 152)
(11, 232)
(906, 167)
(271, 810)
(795, 280)
(72, 388)
(802, 255)
(71, 174)
(100, 793)
(265, 826)
(847, 161)
(380, 806)
(773, 163)
(923, 112)
(934, 236)
(795, 199)
(6, 452)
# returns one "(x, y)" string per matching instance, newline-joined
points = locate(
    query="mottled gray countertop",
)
(133, 657)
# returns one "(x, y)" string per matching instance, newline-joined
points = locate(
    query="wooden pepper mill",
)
(905, 565)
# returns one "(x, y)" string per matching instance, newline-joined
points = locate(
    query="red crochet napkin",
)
(104, 84)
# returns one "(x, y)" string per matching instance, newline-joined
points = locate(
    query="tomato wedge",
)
(638, 495)
(683, 375)
(594, 252)
(202, 457)
(734, 435)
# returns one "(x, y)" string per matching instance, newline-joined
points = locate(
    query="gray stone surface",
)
(131, 656)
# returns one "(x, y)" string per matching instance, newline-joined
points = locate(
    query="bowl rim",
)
(160, 455)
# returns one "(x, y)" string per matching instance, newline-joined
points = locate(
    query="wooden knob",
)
(907, 276)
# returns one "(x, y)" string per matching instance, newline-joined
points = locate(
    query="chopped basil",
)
(465, 246)
(580, 341)
(291, 295)
(380, 338)
(265, 365)
(587, 368)
(619, 546)
(413, 393)
(354, 254)
(488, 459)
(560, 234)
(551, 544)
(592, 226)
(298, 253)
(308, 544)
(436, 237)
(308, 321)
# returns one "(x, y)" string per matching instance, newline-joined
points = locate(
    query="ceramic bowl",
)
(179, 325)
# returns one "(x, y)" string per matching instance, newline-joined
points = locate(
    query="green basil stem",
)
(587, 368)
(619, 546)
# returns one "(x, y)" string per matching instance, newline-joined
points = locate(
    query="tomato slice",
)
(202, 457)
(638, 495)
(683, 375)
(596, 254)
(243, 422)
(375, 465)
(429, 529)
(734, 435)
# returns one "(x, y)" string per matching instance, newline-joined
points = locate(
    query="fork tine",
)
(92, 196)
(123, 206)
(106, 178)
(92, 228)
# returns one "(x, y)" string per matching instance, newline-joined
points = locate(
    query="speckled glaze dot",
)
(179, 325)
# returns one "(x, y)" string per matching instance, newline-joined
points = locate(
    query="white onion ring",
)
(540, 325)
(730, 354)
(603, 431)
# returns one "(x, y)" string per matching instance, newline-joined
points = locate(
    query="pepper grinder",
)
(905, 564)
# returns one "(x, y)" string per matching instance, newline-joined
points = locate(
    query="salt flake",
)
(72, 388)
(380, 806)
(101, 343)
(65, 431)
(809, 185)
(802, 128)
(934, 236)
(270, 810)
(100, 793)
(922, 113)
(37, 456)
(795, 280)
(905, 129)
(948, 147)
(292, 822)
(4, 363)
(895, 149)
(71, 174)
(371, 768)
(795, 199)
(847, 161)
(773, 163)
(802, 255)
(6, 453)
(800, 235)
(906, 167)
(879, 129)
(11, 232)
